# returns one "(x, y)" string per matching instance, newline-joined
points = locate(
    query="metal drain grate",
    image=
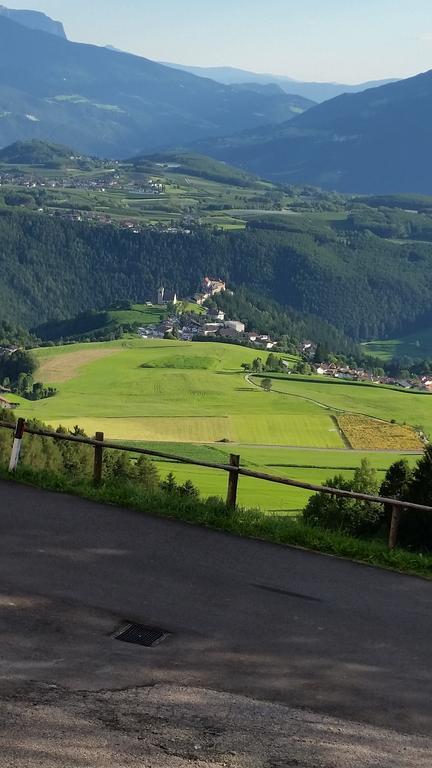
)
(136, 633)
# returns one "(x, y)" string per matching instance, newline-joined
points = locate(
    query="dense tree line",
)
(12, 335)
(364, 285)
(368, 519)
(16, 375)
(391, 223)
(264, 315)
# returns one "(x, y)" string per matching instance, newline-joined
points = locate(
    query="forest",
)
(362, 284)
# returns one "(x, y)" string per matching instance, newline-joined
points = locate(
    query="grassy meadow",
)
(376, 401)
(417, 344)
(192, 399)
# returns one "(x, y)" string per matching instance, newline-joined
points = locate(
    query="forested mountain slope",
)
(365, 286)
(377, 141)
(113, 104)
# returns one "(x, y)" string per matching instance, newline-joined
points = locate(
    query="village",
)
(208, 323)
(213, 323)
(345, 373)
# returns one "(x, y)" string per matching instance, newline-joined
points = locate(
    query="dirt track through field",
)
(65, 367)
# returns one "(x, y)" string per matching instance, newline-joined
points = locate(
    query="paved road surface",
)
(245, 617)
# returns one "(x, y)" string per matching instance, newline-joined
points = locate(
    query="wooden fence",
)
(234, 470)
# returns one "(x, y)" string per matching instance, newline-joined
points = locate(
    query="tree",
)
(145, 473)
(169, 484)
(257, 365)
(397, 480)
(416, 527)
(303, 368)
(350, 516)
(267, 384)
(273, 363)
(365, 479)
(188, 489)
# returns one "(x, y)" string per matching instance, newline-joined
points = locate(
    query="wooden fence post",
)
(98, 459)
(16, 445)
(394, 527)
(233, 479)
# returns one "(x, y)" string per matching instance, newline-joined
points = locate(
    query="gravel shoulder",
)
(167, 726)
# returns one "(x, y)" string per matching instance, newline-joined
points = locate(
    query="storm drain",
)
(140, 635)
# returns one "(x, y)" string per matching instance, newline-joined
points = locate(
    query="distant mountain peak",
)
(34, 20)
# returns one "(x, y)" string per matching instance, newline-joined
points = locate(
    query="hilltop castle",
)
(211, 286)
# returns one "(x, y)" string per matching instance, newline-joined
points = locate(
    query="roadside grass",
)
(243, 522)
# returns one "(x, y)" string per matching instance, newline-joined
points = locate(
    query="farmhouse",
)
(210, 329)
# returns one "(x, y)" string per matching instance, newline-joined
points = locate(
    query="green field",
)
(174, 391)
(375, 401)
(193, 399)
(418, 344)
(307, 466)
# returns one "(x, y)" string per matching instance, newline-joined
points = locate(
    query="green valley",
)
(193, 399)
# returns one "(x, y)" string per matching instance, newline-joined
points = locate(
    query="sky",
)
(347, 41)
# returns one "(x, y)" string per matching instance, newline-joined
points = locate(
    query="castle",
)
(212, 286)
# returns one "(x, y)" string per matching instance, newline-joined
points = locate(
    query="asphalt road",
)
(244, 617)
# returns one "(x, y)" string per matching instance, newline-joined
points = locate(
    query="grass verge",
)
(251, 523)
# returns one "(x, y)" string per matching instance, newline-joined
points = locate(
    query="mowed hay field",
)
(177, 397)
(366, 433)
(173, 391)
(384, 403)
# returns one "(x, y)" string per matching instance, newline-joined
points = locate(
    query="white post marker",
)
(16, 447)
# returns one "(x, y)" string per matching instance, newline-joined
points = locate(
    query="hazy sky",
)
(339, 40)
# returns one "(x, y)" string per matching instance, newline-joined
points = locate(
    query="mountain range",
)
(108, 103)
(377, 141)
(317, 92)
(34, 20)
(115, 104)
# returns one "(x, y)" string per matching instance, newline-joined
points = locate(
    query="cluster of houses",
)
(422, 383)
(108, 180)
(213, 323)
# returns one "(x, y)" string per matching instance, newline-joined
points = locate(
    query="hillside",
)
(107, 103)
(316, 92)
(34, 20)
(193, 164)
(365, 285)
(167, 190)
(35, 152)
(374, 142)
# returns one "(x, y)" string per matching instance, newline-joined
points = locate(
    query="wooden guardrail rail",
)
(234, 469)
